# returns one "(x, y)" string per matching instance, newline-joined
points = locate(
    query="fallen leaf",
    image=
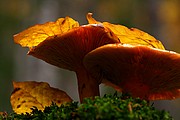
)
(131, 36)
(39, 94)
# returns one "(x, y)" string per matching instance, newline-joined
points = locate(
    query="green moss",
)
(106, 108)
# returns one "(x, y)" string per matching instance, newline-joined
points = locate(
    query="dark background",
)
(160, 18)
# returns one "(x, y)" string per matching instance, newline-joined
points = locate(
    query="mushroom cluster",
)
(130, 60)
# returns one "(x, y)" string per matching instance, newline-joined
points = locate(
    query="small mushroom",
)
(142, 71)
(68, 49)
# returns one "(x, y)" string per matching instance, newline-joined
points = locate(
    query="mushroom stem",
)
(87, 86)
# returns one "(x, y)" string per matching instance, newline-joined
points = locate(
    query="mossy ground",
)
(109, 107)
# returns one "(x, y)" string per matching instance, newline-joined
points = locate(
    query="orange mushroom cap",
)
(68, 50)
(66, 46)
(142, 71)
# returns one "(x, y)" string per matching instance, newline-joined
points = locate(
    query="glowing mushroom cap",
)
(142, 71)
(67, 50)
(64, 44)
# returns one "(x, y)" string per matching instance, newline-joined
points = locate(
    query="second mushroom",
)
(139, 70)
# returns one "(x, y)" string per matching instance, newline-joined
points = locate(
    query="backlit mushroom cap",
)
(64, 44)
(142, 71)
(68, 50)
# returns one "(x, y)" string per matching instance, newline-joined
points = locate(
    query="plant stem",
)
(87, 86)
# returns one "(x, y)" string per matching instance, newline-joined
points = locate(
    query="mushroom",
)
(64, 44)
(67, 50)
(142, 71)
